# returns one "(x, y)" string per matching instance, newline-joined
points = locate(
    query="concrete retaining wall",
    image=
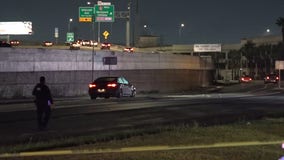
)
(69, 72)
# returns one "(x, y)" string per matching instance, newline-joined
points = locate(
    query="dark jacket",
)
(42, 95)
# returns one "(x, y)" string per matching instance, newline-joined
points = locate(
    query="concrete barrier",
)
(68, 73)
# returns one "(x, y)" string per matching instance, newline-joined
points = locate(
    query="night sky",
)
(206, 21)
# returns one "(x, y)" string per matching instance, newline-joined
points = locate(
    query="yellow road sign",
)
(106, 34)
(85, 19)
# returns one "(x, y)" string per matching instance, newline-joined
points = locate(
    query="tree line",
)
(257, 59)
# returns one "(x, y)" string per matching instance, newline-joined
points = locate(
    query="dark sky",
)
(206, 21)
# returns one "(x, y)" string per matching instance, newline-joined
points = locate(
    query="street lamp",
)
(70, 21)
(267, 32)
(180, 29)
(145, 29)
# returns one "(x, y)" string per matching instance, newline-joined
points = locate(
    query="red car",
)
(14, 42)
(128, 49)
(47, 43)
(271, 78)
(245, 79)
(105, 45)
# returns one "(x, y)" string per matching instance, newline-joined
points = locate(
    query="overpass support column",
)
(127, 33)
(227, 61)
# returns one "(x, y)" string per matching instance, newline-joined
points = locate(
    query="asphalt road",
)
(82, 116)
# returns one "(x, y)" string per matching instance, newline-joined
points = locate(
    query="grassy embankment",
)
(265, 130)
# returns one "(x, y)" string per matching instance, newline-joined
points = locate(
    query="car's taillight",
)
(277, 78)
(112, 85)
(243, 79)
(267, 77)
(92, 85)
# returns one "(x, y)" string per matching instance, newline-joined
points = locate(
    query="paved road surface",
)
(82, 116)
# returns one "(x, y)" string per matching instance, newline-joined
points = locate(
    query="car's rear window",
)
(106, 79)
(272, 75)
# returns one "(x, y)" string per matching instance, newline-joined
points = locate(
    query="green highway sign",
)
(70, 37)
(104, 13)
(86, 14)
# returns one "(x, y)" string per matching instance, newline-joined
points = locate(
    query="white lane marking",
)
(223, 95)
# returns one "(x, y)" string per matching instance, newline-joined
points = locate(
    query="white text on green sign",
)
(70, 37)
(86, 14)
(104, 13)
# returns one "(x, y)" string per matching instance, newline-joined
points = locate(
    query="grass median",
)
(204, 141)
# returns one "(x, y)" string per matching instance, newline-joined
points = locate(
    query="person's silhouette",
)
(43, 102)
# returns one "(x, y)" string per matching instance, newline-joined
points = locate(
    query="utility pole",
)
(126, 15)
(136, 28)
(128, 24)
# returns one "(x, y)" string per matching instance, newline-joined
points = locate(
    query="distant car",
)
(107, 87)
(271, 78)
(93, 43)
(75, 46)
(85, 43)
(47, 44)
(4, 44)
(14, 42)
(105, 45)
(79, 41)
(68, 43)
(128, 49)
(89, 43)
(245, 79)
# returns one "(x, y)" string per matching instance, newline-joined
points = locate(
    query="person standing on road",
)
(43, 102)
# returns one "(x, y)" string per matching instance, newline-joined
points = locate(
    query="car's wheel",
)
(93, 97)
(107, 97)
(133, 94)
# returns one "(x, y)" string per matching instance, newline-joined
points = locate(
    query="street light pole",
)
(93, 43)
(69, 24)
(145, 29)
(128, 21)
(180, 29)
(99, 31)
(93, 47)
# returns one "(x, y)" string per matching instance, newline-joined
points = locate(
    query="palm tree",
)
(280, 23)
(235, 63)
(278, 50)
(249, 51)
(267, 58)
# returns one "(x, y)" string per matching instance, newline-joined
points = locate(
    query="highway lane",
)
(82, 116)
(114, 47)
